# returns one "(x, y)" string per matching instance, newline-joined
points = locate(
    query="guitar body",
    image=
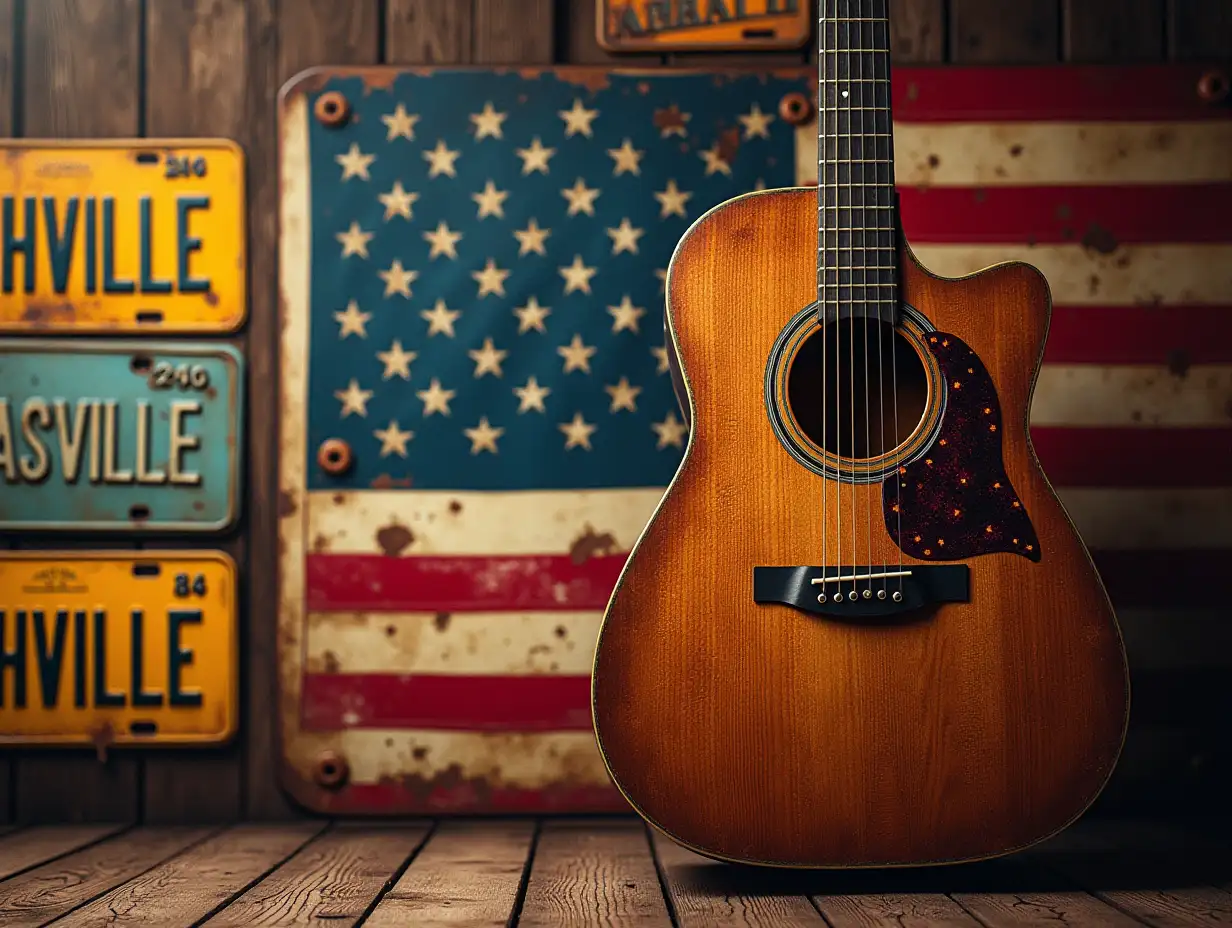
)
(756, 732)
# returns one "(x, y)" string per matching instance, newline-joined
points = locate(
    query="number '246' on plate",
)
(127, 235)
(108, 648)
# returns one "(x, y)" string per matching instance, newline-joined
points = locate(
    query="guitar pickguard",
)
(955, 500)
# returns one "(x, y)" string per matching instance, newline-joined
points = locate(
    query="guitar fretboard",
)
(857, 252)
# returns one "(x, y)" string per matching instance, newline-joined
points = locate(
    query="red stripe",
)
(443, 702)
(1130, 457)
(419, 584)
(412, 795)
(1100, 217)
(376, 583)
(1173, 335)
(1051, 92)
(1176, 579)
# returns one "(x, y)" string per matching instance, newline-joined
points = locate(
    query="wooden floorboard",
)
(33, 846)
(334, 880)
(191, 886)
(468, 874)
(593, 873)
(37, 896)
(702, 893)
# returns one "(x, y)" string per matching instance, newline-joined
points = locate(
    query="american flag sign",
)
(472, 276)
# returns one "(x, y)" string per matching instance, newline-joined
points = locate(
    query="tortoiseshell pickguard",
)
(956, 501)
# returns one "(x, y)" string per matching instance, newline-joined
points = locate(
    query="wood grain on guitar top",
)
(759, 734)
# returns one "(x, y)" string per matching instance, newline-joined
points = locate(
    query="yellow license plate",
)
(107, 648)
(124, 236)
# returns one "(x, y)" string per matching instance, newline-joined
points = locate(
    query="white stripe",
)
(1159, 639)
(1128, 519)
(1131, 275)
(518, 761)
(1132, 395)
(480, 643)
(990, 154)
(581, 523)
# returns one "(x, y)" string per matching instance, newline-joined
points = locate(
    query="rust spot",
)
(1123, 261)
(386, 482)
(198, 505)
(589, 545)
(379, 79)
(561, 631)
(1162, 140)
(37, 311)
(454, 506)
(1067, 232)
(591, 78)
(1015, 151)
(1179, 362)
(1099, 239)
(1000, 171)
(211, 298)
(330, 662)
(1136, 415)
(539, 649)
(394, 539)
(1064, 211)
(320, 544)
(462, 790)
(1093, 283)
(934, 161)
(913, 91)
(441, 621)
(669, 118)
(729, 144)
(286, 504)
(390, 631)
(338, 499)
(211, 393)
(102, 736)
(980, 194)
(419, 753)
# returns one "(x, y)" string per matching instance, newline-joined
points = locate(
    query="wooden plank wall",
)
(74, 68)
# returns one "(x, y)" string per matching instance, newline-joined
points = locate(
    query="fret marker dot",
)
(846, 94)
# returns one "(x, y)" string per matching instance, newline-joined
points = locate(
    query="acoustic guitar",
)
(859, 629)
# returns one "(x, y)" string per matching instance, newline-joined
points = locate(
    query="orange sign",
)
(686, 25)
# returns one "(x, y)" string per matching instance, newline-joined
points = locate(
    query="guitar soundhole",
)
(846, 383)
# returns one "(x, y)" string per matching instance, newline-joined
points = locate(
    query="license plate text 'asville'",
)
(119, 436)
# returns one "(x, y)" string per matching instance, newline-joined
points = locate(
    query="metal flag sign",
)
(692, 25)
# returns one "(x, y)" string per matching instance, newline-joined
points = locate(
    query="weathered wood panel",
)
(81, 78)
(593, 872)
(262, 798)
(192, 885)
(334, 880)
(427, 32)
(917, 31)
(513, 31)
(197, 58)
(48, 892)
(1115, 30)
(468, 874)
(1004, 33)
(33, 846)
(9, 43)
(1199, 30)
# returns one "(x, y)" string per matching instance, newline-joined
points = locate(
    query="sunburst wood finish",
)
(756, 733)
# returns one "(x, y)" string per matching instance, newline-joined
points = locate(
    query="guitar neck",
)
(857, 224)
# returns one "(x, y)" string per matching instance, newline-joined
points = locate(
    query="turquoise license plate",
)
(119, 436)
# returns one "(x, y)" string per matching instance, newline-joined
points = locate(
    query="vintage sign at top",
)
(671, 25)
(127, 236)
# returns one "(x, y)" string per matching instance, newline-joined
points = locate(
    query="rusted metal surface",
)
(122, 436)
(440, 598)
(438, 636)
(654, 25)
(332, 109)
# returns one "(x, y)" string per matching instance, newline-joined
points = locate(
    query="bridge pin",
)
(868, 594)
(897, 597)
(881, 594)
(821, 597)
(853, 596)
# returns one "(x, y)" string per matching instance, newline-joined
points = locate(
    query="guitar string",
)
(847, 55)
(835, 292)
(864, 223)
(884, 253)
(823, 293)
(898, 475)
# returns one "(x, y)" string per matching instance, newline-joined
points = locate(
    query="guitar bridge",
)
(862, 592)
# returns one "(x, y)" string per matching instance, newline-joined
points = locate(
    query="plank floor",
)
(580, 872)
